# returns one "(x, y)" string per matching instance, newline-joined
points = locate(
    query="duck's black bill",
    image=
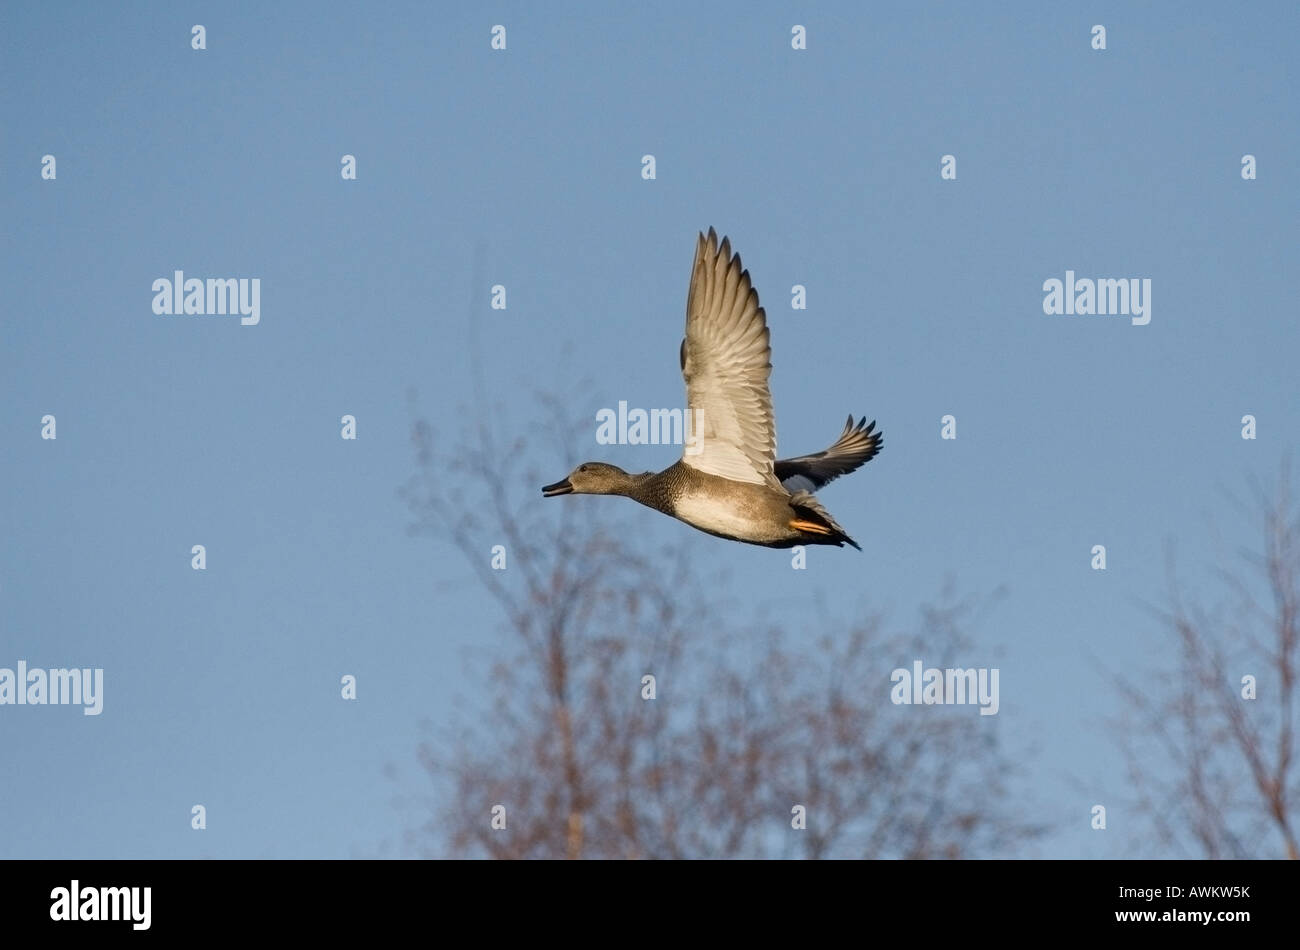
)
(562, 487)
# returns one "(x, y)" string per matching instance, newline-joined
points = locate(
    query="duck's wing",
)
(726, 360)
(857, 445)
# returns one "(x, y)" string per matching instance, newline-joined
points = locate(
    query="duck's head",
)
(591, 478)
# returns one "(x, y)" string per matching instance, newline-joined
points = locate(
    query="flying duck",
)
(729, 482)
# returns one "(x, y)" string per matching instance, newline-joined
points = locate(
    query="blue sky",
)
(523, 168)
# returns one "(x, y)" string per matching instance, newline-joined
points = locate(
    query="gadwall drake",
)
(729, 482)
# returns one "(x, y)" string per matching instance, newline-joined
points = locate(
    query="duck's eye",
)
(582, 468)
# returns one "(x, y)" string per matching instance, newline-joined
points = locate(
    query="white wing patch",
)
(799, 483)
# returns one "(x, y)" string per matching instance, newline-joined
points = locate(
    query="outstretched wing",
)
(726, 361)
(857, 445)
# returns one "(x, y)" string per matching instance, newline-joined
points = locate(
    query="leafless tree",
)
(747, 722)
(1210, 739)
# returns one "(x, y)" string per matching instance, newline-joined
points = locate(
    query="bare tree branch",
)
(745, 723)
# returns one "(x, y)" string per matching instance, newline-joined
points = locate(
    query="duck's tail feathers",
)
(812, 518)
